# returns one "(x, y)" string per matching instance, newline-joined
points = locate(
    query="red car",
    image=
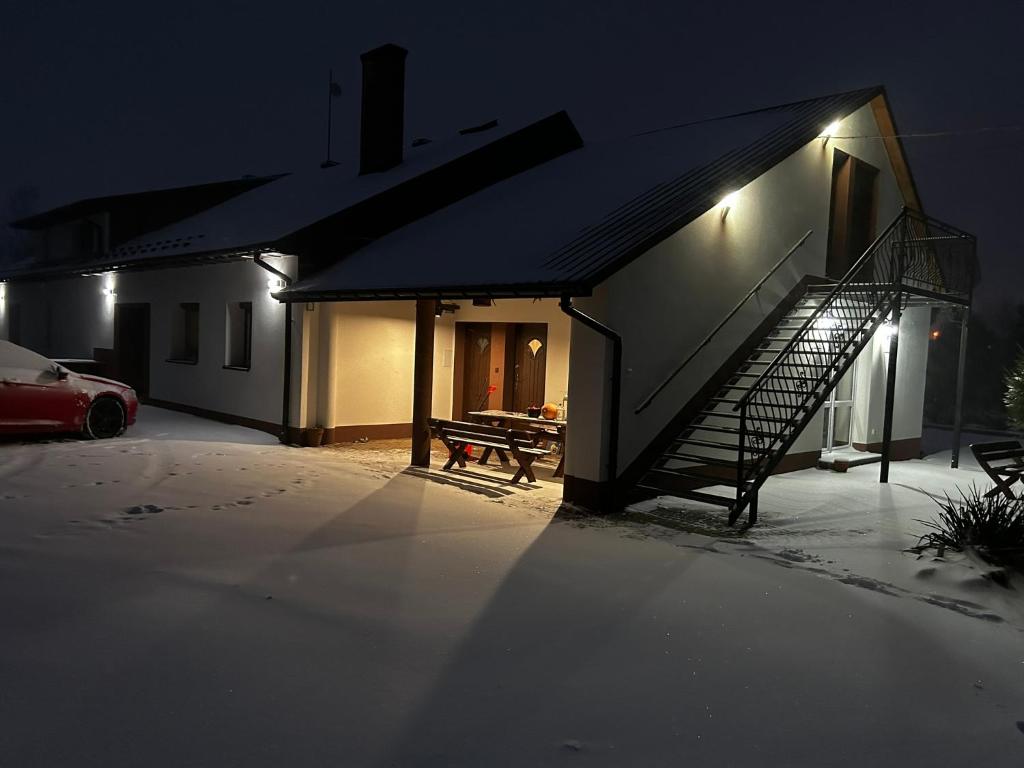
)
(38, 395)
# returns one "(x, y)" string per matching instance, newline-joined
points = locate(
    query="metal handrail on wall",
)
(707, 339)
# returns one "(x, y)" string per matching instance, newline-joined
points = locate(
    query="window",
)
(238, 335)
(185, 334)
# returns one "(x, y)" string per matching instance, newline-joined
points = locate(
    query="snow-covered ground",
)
(194, 594)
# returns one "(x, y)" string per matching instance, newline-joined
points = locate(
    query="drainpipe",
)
(286, 405)
(616, 395)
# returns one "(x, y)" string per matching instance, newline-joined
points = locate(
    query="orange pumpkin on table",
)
(549, 411)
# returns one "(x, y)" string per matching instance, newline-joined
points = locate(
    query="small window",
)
(185, 334)
(238, 335)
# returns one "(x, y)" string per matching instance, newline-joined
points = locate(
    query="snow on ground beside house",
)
(195, 594)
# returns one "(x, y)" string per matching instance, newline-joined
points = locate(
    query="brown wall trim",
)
(899, 450)
(352, 432)
(227, 418)
(657, 446)
(894, 148)
(590, 495)
(791, 462)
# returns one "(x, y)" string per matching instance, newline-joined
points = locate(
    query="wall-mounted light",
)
(3, 291)
(830, 130)
(727, 203)
(889, 329)
(107, 289)
(274, 284)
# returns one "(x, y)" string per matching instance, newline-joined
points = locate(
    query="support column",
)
(958, 407)
(422, 382)
(890, 388)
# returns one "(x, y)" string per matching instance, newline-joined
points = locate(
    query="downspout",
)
(286, 405)
(616, 394)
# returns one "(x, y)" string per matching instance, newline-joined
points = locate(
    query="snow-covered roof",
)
(564, 226)
(268, 214)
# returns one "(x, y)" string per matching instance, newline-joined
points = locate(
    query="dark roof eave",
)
(513, 291)
(78, 268)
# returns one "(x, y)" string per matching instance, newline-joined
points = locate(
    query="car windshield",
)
(13, 356)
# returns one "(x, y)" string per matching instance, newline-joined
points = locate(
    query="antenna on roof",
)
(333, 91)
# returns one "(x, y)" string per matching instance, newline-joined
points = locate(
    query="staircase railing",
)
(707, 339)
(913, 254)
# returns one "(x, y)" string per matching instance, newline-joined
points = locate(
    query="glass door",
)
(838, 421)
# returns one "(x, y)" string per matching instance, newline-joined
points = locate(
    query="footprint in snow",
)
(143, 509)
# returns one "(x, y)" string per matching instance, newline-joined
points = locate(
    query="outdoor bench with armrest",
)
(457, 436)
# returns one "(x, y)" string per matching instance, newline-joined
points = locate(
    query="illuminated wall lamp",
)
(109, 292)
(727, 203)
(274, 284)
(830, 130)
(888, 331)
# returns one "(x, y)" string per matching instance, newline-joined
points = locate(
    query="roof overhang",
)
(440, 293)
(894, 148)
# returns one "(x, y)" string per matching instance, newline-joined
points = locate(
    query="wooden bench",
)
(457, 436)
(1003, 474)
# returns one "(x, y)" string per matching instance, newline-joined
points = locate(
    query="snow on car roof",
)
(13, 356)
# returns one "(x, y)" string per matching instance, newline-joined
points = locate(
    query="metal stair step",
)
(729, 415)
(729, 430)
(708, 461)
(734, 447)
(707, 498)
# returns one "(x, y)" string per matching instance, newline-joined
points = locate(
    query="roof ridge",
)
(746, 113)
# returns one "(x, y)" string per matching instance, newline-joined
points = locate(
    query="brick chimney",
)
(382, 124)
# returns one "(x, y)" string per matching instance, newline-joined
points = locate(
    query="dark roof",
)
(337, 204)
(567, 225)
(195, 195)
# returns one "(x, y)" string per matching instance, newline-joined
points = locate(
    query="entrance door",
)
(476, 347)
(838, 422)
(131, 346)
(530, 361)
(852, 222)
(14, 325)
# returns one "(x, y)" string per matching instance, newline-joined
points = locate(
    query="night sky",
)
(112, 97)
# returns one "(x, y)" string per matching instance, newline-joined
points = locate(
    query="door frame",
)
(829, 411)
(147, 341)
(843, 195)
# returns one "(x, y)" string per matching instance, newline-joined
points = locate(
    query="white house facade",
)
(706, 305)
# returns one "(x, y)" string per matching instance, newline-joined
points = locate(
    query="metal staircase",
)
(739, 436)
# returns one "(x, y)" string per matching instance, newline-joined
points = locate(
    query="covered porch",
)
(372, 374)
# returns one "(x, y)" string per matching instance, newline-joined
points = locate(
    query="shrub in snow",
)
(992, 526)
(1014, 397)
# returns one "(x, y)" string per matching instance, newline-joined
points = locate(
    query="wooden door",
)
(476, 364)
(853, 212)
(131, 346)
(530, 361)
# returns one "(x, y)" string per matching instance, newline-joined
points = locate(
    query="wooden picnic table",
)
(552, 430)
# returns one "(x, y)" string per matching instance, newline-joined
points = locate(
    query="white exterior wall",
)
(358, 358)
(665, 302)
(71, 317)
(911, 370)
